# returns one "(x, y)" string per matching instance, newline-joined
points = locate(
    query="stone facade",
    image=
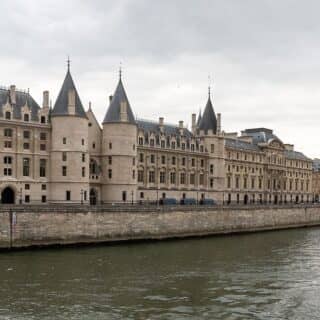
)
(62, 154)
(316, 180)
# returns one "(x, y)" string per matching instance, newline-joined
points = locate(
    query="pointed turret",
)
(68, 101)
(209, 119)
(119, 109)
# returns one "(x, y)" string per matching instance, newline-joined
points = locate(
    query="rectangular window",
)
(173, 144)
(83, 171)
(183, 161)
(82, 142)
(133, 174)
(43, 136)
(8, 132)
(163, 144)
(201, 179)
(151, 142)
(140, 175)
(7, 144)
(192, 178)
(173, 160)
(182, 178)
(152, 158)
(26, 167)
(110, 173)
(151, 177)
(109, 160)
(43, 147)
(26, 198)
(27, 186)
(172, 177)
(64, 156)
(68, 195)
(163, 159)
(140, 141)
(202, 163)
(212, 148)
(93, 145)
(26, 146)
(43, 187)
(183, 146)
(26, 134)
(192, 147)
(64, 171)
(83, 157)
(141, 157)
(193, 162)
(162, 177)
(211, 168)
(43, 199)
(43, 165)
(141, 195)
(7, 160)
(211, 183)
(7, 171)
(64, 140)
(228, 182)
(110, 145)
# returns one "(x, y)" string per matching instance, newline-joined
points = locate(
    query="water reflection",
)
(255, 276)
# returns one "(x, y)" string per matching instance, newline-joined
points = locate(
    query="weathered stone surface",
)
(47, 228)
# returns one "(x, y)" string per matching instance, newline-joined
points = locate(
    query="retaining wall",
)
(31, 227)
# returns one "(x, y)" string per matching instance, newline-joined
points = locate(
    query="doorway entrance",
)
(7, 196)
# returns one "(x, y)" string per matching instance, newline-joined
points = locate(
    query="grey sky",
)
(262, 55)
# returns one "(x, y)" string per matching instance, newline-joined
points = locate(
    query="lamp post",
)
(81, 193)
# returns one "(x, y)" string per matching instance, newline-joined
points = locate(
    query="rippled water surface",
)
(271, 275)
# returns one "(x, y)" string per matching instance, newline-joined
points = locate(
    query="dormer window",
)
(43, 119)
(26, 117)
(140, 141)
(8, 115)
(151, 142)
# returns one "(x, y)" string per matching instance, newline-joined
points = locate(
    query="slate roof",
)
(113, 112)
(237, 144)
(295, 155)
(316, 164)
(61, 106)
(208, 120)
(260, 135)
(151, 126)
(21, 98)
(199, 119)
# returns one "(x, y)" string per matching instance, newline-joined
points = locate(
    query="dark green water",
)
(272, 275)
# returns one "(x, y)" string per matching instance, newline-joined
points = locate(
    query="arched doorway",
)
(245, 199)
(93, 197)
(7, 195)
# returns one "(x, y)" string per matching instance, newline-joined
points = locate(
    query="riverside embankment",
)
(59, 225)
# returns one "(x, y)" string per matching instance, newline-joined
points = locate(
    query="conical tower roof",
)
(113, 112)
(61, 106)
(199, 118)
(209, 119)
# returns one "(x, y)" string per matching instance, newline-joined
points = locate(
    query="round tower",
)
(119, 150)
(69, 147)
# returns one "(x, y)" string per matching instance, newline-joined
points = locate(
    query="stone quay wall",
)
(36, 226)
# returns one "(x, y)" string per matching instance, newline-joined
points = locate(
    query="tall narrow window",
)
(64, 171)
(83, 157)
(8, 115)
(110, 160)
(64, 156)
(26, 117)
(8, 132)
(83, 171)
(68, 195)
(43, 165)
(26, 167)
(64, 140)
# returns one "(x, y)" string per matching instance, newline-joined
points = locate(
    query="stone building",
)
(62, 154)
(316, 180)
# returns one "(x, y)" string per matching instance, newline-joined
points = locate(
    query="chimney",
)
(110, 98)
(181, 127)
(45, 100)
(13, 94)
(193, 121)
(123, 111)
(218, 123)
(71, 102)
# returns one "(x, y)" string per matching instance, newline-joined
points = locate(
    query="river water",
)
(270, 275)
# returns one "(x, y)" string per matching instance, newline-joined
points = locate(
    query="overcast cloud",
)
(264, 58)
